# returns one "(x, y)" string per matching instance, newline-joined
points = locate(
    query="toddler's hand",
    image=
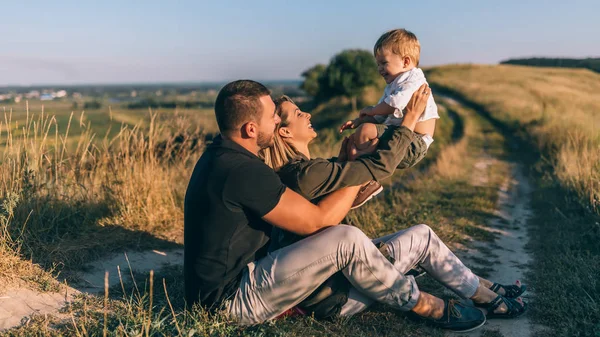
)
(365, 112)
(353, 124)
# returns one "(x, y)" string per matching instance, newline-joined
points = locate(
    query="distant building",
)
(32, 94)
(46, 97)
(60, 94)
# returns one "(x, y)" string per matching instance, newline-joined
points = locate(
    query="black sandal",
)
(514, 308)
(511, 291)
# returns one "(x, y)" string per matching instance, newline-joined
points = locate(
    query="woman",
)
(314, 178)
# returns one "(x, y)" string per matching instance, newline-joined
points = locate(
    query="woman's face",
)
(298, 126)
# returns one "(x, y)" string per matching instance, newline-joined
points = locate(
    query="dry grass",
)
(559, 109)
(65, 205)
(72, 197)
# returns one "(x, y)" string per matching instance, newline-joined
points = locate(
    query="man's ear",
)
(250, 130)
(285, 132)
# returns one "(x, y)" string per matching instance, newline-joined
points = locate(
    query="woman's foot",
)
(503, 307)
(495, 304)
(509, 291)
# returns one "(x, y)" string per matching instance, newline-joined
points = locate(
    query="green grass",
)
(564, 228)
(557, 110)
(566, 271)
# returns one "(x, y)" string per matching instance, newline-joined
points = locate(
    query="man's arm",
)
(295, 214)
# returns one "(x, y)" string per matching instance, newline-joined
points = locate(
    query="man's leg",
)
(419, 245)
(286, 276)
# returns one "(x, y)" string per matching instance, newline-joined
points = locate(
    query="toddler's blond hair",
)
(400, 42)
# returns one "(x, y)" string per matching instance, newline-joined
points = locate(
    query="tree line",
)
(587, 63)
(347, 74)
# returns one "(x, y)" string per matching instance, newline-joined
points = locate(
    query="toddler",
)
(397, 53)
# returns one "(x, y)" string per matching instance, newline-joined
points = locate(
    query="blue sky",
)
(125, 41)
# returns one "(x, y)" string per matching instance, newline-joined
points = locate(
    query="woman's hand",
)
(416, 106)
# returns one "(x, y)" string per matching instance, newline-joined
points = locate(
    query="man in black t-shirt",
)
(233, 200)
(231, 191)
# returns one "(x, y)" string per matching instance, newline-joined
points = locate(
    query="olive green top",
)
(315, 178)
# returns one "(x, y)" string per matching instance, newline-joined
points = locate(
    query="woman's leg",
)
(419, 245)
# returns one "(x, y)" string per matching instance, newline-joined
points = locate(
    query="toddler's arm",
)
(355, 123)
(377, 110)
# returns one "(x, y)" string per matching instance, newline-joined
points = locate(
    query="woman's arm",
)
(319, 177)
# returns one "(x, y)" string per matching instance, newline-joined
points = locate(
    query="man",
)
(233, 200)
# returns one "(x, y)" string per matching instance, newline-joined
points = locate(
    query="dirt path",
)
(17, 305)
(506, 260)
(92, 279)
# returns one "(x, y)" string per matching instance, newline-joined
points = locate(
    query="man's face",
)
(267, 123)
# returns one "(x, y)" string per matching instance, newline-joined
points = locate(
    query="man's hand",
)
(353, 124)
(365, 112)
(416, 106)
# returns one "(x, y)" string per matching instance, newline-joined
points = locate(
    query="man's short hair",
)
(238, 103)
(400, 42)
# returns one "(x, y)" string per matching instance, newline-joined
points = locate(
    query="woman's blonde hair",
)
(281, 152)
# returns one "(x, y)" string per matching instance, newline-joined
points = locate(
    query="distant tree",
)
(92, 105)
(311, 80)
(348, 74)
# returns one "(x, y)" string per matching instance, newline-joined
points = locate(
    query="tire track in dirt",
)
(506, 259)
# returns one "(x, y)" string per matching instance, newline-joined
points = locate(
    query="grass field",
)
(107, 185)
(68, 207)
(557, 109)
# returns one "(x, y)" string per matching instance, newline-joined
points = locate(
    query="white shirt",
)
(398, 93)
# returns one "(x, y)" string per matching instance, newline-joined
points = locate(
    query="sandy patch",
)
(17, 305)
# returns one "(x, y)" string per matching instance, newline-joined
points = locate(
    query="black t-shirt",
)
(229, 192)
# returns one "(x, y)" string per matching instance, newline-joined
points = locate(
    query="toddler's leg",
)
(363, 135)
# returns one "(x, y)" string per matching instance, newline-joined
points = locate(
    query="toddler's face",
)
(391, 65)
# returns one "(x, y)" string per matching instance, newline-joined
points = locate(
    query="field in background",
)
(558, 109)
(553, 115)
(73, 198)
(117, 180)
(103, 123)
